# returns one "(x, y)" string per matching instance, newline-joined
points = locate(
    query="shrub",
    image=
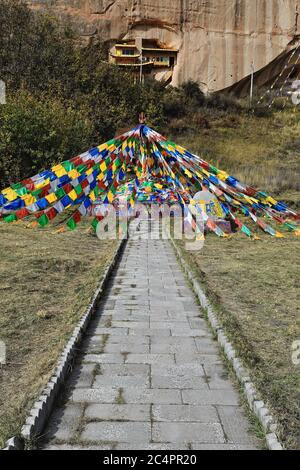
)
(192, 94)
(36, 133)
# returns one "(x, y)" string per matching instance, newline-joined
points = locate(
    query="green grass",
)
(254, 285)
(46, 283)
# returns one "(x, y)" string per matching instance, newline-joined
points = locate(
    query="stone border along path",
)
(148, 374)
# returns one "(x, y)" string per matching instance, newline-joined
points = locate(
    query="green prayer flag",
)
(213, 169)
(10, 218)
(59, 193)
(16, 186)
(246, 230)
(81, 168)
(68, 166)
(21, 191)
(43, 220)
(290, 226)
(95, 223)
(71, 224)
(36, 193)
(78, 189)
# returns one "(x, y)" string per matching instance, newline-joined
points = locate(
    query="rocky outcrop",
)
(218, 39)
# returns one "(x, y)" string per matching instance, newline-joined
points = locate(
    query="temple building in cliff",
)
(145, 57)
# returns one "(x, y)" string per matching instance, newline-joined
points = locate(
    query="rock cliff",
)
(218, 39)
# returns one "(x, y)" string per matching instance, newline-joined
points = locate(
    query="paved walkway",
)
(149, 375)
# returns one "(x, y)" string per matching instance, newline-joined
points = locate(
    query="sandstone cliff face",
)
(217, 39)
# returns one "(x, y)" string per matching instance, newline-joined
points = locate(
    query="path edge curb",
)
(43, 406)
(257, 406)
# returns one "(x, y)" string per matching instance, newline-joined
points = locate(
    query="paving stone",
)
(130, 324)
(180, 382)
(159, 396)
(186, 432)
(190, 369)
(104, 358)
(131, 317)
(104, 321)
(82, 447)
(125, 347)
(201, 446)
(117, 432)
(212, 397)
(108, 331)
(117, 412)
(149, 332)
(174, 346)
(206, 346)
(193, 314)
(128, 340)
(150, 446)
(162, 359)
(188, 332)
(126, 369)
(91, 395)
(198, 323)
(82, 376)
(217, 377)
(120, 381)
(183, 358)
(64, 422)
(170, 307)
(235, 425)
(188, 413)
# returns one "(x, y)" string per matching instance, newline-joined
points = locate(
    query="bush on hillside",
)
(36, 133)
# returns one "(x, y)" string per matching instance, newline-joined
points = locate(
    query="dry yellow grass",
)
(46, 282)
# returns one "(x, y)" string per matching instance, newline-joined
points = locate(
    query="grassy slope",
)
(256, 284)
(264, 152)
(46, 282)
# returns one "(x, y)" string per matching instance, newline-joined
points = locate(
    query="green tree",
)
(36, 133)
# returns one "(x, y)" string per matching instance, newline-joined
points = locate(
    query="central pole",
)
(252, 83)
(141, 68)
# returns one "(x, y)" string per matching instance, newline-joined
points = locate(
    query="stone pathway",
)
(149, 375)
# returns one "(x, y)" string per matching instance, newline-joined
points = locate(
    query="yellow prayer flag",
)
(103, 166)
(102, 147)
(10, 194)
(51, 198)
(73, 174)
(271, 200)
(92, 196)
(72, 194)
(42, 184)
(28, 199)
(222, 175)
(188, 173)
(59, 171)
(110, 196)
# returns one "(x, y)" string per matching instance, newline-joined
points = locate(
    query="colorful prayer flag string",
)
(144, 167)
